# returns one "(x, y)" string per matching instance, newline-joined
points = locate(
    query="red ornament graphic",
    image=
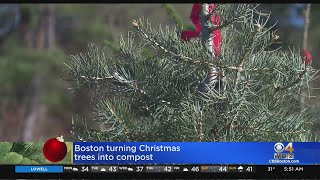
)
(55, 149)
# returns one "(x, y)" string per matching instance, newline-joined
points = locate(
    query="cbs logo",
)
(279, 147)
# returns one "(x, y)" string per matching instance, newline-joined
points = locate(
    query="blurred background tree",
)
(23, 63)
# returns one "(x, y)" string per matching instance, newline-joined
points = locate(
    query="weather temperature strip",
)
(237, 171)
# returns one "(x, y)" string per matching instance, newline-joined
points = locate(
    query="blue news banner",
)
(258, 153)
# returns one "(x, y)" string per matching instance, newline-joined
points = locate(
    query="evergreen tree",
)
(148, 91)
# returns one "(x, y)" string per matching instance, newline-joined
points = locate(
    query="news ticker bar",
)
(160, 171)
(137, 169)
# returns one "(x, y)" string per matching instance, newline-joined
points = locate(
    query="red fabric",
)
(308, 56)
(195, 18)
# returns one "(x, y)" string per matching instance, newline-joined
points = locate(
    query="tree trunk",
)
(51, 26)
(304, 92)
(45, 39)
(306, 26)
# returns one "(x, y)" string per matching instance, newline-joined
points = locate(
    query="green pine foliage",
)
(27, 153)
(147, 90)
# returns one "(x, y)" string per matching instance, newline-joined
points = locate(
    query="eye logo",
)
(279, 147)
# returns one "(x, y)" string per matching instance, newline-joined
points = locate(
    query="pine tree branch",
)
(243, 69)
(259, 130)
(98, 78)
(200, 127)
(241, 9)
(126, 82)
(247, 50)
(145, 35)
(293, 83)
(135, 87)
(275, 132)
(122, 123)
(220, 27)
(187, 59)
(216, 27)
(242, 102)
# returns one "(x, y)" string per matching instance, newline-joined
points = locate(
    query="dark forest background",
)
(36, 39)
